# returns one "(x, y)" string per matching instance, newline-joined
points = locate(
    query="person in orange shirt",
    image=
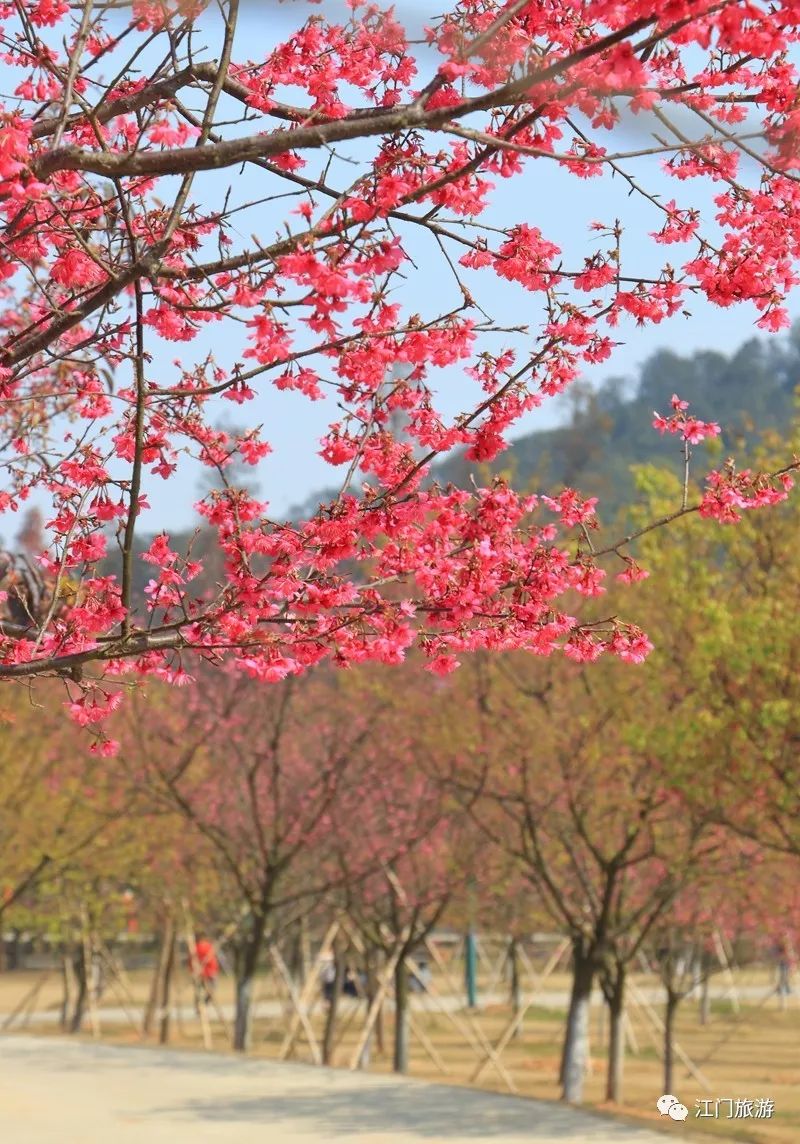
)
(204, 967)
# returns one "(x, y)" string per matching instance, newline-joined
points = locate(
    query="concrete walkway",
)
(67, 1092)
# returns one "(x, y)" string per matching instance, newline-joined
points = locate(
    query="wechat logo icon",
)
(672, 1107)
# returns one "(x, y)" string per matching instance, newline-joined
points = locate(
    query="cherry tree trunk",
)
(81, 977)
(333, 1008)
(246, 966)
(705, 1000)
(400, 1060)
(371, 962)
(576, 1038)
(515, 981)
(170, 943)
(68, 986)
(673, 1000)
(153, 1000)
(616, 1036)
(298, 958)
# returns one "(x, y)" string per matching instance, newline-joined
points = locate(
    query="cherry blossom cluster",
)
(691, 429)
(728, 493)
(122, 232)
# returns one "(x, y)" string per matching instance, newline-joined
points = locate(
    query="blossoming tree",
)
(273, 785)
(120, 143)
(572, 788)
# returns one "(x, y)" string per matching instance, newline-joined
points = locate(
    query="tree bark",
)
(299, 960)
(158, 975)
(170, 941)
(14, 960)
(246, 967)
(705, 999)
(82, 979)
(673, 1000)
(400, 1061)
(515, 982)
(576, 1038)
(333, 1007)
(380, 1025)
(371, 971)
(615, 998)
(68, 986)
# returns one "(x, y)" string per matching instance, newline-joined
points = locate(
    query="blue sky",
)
(560, 204)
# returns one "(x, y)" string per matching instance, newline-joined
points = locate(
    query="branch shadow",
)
(419, 1112)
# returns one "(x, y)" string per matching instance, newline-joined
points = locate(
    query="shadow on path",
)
(417, 1110)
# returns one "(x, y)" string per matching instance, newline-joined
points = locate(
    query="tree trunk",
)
(673, 999)
(371, 969)
(471, 969)
(158, 976)
(369, 995)
(246, 966)
(82, 978)
(616, 1035)
(170, 943)
(515, 982)
(400, 1062)
(333, 1007)
(576, 1039)
(380, 1026)
(68, 986)
(705, 999)
(299, 959)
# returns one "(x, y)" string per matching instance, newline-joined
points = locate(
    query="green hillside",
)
(609, 429)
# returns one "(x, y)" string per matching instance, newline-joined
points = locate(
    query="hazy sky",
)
(560, 204)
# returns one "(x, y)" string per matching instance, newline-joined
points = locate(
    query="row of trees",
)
(629, 809)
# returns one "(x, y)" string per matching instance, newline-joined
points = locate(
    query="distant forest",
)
(609, 428)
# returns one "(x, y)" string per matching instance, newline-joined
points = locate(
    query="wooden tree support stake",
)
(26, 1006)
(469, 1027)
(299, 1008)
(519, 1017)
(659, 1024)
(300, 1002)
(372, 1014)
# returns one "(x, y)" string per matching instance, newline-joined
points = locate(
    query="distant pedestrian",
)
(419, 980)
(351, 986)
(97, 976)
(328, 977)
(784, 958)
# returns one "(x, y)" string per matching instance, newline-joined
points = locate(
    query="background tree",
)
(569, 789)
(291, 756)
(54, 797)
(419, 854)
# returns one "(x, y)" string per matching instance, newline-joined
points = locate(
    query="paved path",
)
(67, 1092)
